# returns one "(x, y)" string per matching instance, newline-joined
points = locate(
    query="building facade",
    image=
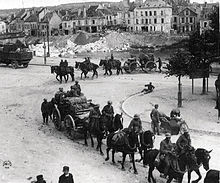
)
(3, 27)
(153, 16)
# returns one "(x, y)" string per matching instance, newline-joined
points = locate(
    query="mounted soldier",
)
(166, 151)
(136, 124)
(183, 142)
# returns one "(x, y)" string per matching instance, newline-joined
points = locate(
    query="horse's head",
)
(132, 137)
(203, 156)
(118, 121)
(101, 63)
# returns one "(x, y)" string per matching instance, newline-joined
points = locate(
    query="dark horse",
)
(85, 68)
(111, 64)
(212, 176)
(185, 160)
(128, 145)
(203, 157)
(98, 129)
(63, 72)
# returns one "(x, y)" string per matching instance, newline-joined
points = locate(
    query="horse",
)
(85, 68)
(63, 72)
(51, 106)
(212, 176)
(203, 157)
(98, 129)
(146, 142)
(127, 145)
(111, 64)
(185, 160)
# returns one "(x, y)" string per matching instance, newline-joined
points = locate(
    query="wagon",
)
(71, 114)
(9, 54)
(172, 125)
(144, 62)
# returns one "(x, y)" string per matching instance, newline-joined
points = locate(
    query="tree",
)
(180, 64)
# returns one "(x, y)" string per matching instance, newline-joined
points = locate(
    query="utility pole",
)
(45, 56)
(48, 40)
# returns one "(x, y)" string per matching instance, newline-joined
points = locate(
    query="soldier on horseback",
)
(183, 142)
(88, 62)
(166, 150)
(136, 124)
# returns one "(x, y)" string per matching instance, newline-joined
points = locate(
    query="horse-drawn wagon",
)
(144, 62)
(71, 113)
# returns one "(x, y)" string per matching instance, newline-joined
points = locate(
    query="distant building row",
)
(150, 16)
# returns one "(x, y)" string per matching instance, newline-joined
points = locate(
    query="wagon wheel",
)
(133, 66)
(150, 66)
(183, 126)
(69, 126)
(57, 119)
(14, 64)
(25, 65)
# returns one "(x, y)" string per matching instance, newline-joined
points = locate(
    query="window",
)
(93, 21)
(191, 20)
(65, 24)
(155, 13)
(136, 21)
(187, 20)
(175, 19)
(86, 22)
(78, 22)
(141, 13)
(187, 12)
(161, 13)
(128, 21)
(146, 13)
(162, 20)
(149, 21)
(155, 20)
(205, 24)
(151, 28)
(128, 15)
(154, 28)
(146, 21)
(74, 23)
(183, 20)
(192, 27)
(161, 28)
(183, 29)
(136, 13)
(150, 13)
(142, 21)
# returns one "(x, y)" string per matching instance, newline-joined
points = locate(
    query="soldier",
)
(44, 110)
(59, 95)
(148, 88)
(155, 117)
(166, 150)
(136, 124)
(65, 63)
(94, 116)
(159, 64)
(77, 87)
(183, 142)
(61, 63)
(108, 113)
(66, 177)
(40, 179)
(73, 92)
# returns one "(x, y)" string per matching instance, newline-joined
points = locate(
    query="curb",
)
(202, 132)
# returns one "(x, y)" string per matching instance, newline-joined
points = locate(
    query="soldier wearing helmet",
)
(183, 142)
(108, 113)
(136, 124)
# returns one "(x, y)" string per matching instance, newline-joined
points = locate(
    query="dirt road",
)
(35, 149)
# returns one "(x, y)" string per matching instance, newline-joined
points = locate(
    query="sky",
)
(9, 4)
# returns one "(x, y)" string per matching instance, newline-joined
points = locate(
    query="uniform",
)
(155, 120)
(45, 111)
(77, 88)
(66, 179)
(183, 141)
(136, 125)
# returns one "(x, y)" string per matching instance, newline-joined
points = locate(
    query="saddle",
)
(118, 138)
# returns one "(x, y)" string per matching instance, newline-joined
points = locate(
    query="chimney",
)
(79, 12)
(84, 12)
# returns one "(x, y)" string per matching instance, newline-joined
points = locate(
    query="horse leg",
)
(140, 152)
(189, 175)
(57, 77)
(72, 75)
(150, 174)
(110, 72)
(92, 142)
(121, 70)
(169, 179)
(60, 78)
(107, 152)
(99, 139)
(97, 74)
(81, 74)
(199, 178)
(133, 162)
(123, 161)
(113, 156)
(85, 137)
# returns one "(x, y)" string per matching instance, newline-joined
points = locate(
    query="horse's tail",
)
(52, 69)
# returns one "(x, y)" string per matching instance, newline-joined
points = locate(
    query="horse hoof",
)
(113, 162)
(102, 154)
(123, 169)
(135, 172)
(106, 159)
(86, 145)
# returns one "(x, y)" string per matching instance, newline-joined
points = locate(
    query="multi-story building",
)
(188, 20)
(153, 16)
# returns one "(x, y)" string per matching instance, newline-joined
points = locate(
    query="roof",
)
(193, 13)
(20, 13)
(47, 17)
(32, 18)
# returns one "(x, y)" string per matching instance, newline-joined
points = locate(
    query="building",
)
(188, 20)
(3, 27)
(153, 16)
(17, 23)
